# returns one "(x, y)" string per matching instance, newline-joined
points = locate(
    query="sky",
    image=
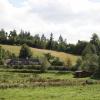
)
(73, 19)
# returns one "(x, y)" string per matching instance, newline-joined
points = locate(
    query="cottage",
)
(20, 61)
(81, 74)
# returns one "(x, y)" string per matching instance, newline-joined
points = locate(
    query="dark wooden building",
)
(18, 61)
(82, 74)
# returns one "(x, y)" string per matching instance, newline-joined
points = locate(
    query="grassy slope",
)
(40, 52)
(91, 92)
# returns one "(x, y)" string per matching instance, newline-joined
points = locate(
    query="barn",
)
(82, 74)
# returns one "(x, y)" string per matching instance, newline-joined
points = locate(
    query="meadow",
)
(18, 84)
(89, 92)
(29, 84)
(40, 52)
(11, 78)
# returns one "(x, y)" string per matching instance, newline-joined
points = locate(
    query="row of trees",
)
(90, 56)
(37, 41)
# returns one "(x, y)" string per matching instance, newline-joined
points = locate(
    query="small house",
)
(82, 74)
(20, 61)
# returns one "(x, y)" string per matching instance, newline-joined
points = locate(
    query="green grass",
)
(50, 92)
(23, 75)
(11, 78)
(40, 52)
(91, 92)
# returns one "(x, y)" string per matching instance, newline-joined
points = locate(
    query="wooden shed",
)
(82, 74)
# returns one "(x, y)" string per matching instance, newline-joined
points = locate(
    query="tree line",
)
(89, 51)
(41, 42)
(90, 60)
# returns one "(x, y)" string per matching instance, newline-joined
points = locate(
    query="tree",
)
(43, 42)
(3, 36)
(44, 64)
(89, 49)
(57, 62)
(70, 48)
(95, 41)
(68, 63)
(97, 72)
(62, 44)
(78, 64)
(49, 56)
(12, 37)
(25, 52)
(90, 63)
(80, 46)
(50, 42)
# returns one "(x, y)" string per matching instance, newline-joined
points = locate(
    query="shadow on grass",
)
(64, 72)
(96, 76)
(35, 71)
(21, 71)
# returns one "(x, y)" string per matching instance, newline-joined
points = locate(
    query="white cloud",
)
(74, 19)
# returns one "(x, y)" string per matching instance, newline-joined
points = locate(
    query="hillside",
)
(39, 52)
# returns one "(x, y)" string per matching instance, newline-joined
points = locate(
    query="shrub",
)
(68, 63)
(25, 52)
(1, 62)
(78, 64)
(56, 62)
(44, 64)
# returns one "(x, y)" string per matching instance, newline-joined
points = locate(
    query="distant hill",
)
(39, 52)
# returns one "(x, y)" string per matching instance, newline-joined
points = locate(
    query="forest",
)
(42, 42)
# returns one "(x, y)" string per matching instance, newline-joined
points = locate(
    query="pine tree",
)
(50, 42)
(95, 41)
(25, 52)
(89, 49)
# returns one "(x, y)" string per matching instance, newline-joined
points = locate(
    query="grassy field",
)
(8, 75)
(66, 89)
(40, 52)
(91, 92)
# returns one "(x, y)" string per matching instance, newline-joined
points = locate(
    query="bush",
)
(1, 62)
(56, 62)
(44, 64)
(25, 52)
(90, 63)
(77, 65)
(60, 68)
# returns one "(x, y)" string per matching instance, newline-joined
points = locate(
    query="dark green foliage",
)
(42, 42)
(69, 63)
(25, 52)
(90, 49)
(50, 42)
(62, 44)
(12, 37)
(1, 62)
(90, 57)
(97, 72)
(49, 56)
(3, 36)
(70, 48)
(44, 64)
(56, 62)
(95, 41)
(80, 46)
(90, 63)
(4, 54)
(78, 64)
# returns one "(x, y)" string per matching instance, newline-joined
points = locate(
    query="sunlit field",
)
(91, 92)
(40, 52)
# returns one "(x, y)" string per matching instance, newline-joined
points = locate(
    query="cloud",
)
(74, 19)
